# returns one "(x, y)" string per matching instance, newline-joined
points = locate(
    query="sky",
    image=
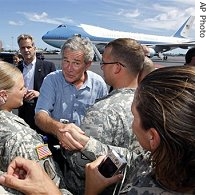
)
(36, 17)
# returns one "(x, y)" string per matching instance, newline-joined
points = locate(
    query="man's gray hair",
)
(77, 43)
(24, 37)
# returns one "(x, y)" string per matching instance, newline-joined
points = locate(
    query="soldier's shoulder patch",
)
(43, 151)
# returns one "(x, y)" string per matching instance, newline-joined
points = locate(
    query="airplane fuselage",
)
(157, 44)
(58, 36)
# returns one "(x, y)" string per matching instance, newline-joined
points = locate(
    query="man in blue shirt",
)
(66, 94)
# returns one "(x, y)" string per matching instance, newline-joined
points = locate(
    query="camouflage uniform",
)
(108, 121)
(141, 180)
(18, 139)
(139, 177)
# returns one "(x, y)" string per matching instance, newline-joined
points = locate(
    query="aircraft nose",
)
(57, 33)
(52, 36)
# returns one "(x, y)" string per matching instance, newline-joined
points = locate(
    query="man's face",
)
(73, 66)
(27, 50)
(107, 68)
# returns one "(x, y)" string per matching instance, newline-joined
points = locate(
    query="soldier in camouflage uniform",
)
(109, 120)
(167, 129)
(16, 137)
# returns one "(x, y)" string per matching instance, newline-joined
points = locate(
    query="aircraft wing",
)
(170, 46)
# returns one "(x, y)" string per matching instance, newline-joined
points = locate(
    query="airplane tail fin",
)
(183, 31)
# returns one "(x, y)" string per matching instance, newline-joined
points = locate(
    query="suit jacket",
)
(27, 110)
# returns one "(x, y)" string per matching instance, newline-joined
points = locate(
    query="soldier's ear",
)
(3, 97)
(154, 138)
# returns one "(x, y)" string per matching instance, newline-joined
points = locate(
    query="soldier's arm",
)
(28, 177)
(94, 148)
(32, 147)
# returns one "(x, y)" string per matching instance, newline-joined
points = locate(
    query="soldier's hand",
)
(73, 138)
(28, 177)
(95, 182)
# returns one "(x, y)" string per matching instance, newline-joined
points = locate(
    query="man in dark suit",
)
(34, 71)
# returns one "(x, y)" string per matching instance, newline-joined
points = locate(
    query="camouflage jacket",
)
(109, 122)
(141, 180)
(18, 139)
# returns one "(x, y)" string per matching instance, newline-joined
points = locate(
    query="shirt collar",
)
(31, 64)
(87, 82)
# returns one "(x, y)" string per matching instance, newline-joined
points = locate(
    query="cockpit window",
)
(61, 25)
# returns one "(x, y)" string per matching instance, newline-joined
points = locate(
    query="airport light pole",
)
(12, 43)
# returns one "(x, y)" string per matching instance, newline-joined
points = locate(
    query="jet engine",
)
(151, 52)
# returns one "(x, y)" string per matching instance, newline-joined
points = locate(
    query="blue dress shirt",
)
(62, 100)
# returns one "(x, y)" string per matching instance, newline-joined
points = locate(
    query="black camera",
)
(113, 164)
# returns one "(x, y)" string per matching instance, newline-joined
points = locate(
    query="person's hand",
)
(95, 182)
(71, 137)
(28, 177)
(31, 94)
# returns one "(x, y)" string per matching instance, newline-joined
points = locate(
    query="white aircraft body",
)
(100, 36)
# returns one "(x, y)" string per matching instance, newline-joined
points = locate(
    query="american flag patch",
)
(43, 151)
